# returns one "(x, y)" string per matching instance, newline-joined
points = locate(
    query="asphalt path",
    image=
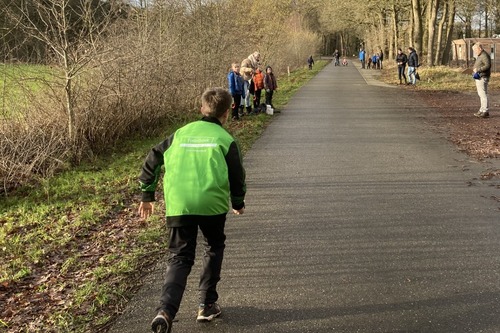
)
(359, 219)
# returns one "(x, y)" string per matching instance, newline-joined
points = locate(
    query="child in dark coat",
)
(270, 85)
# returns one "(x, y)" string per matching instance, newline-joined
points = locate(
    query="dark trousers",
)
(235, 107)
(401, 73)
(256, 100)
(269, 97)
(182, 248)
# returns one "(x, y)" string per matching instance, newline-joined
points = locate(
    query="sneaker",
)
(162, 323)
(207, 312)
(482, 114)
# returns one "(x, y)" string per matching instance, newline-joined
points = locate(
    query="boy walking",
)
(203, 172)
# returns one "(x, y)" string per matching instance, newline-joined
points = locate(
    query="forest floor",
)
(452, 113)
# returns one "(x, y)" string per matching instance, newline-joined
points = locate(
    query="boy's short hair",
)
(215, 102)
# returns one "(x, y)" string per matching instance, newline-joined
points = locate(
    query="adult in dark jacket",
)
(412, 65)
(482, 71)
(401, 60)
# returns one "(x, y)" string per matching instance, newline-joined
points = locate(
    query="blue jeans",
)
(246, 101)
(482, 91)
(411, 74)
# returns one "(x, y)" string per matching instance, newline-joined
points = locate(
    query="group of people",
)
(246, 82)
(375, 61)
(411, 60)
(481, 73)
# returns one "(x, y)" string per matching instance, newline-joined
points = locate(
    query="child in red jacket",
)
(258, 81)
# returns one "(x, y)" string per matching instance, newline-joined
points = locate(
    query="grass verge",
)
(442, 78)
(72, 249)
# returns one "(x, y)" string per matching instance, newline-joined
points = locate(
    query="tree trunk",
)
(417, 25)
(449, 32)
(496, 15)
(68, 89)
(486, 33)
(432, 9)
(444, 17)
(395, 32)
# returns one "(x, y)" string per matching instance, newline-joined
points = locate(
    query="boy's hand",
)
(146, 209)
(239, 211)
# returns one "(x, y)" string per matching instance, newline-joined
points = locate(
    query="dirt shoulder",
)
(453, 114)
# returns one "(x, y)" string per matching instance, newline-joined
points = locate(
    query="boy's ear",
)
(224, 116)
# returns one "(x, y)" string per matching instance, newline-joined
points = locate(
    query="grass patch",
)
(440, 78)
(19, 83)
(73, 248)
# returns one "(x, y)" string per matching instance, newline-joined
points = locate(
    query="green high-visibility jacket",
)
(203, 171)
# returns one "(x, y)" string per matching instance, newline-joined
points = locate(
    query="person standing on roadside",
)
(310, 62)
(247, 70)
(336, 57)
(270, 85)
(482, 72)
(362, 56)
(412, 66)
(401, 60)
(235, 82)
(258, 81)
(375, 61)
(204, 177)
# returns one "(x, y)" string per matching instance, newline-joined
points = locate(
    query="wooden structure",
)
(463, 56)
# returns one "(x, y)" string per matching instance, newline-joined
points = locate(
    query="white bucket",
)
(269, 110)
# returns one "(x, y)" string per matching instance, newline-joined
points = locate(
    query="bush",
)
(147, 71)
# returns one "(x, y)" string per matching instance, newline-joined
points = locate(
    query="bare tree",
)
(432, 10)
(70, 29)
(417, 25)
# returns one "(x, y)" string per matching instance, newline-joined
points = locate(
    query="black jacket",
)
(413, 59)
(401, 59)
